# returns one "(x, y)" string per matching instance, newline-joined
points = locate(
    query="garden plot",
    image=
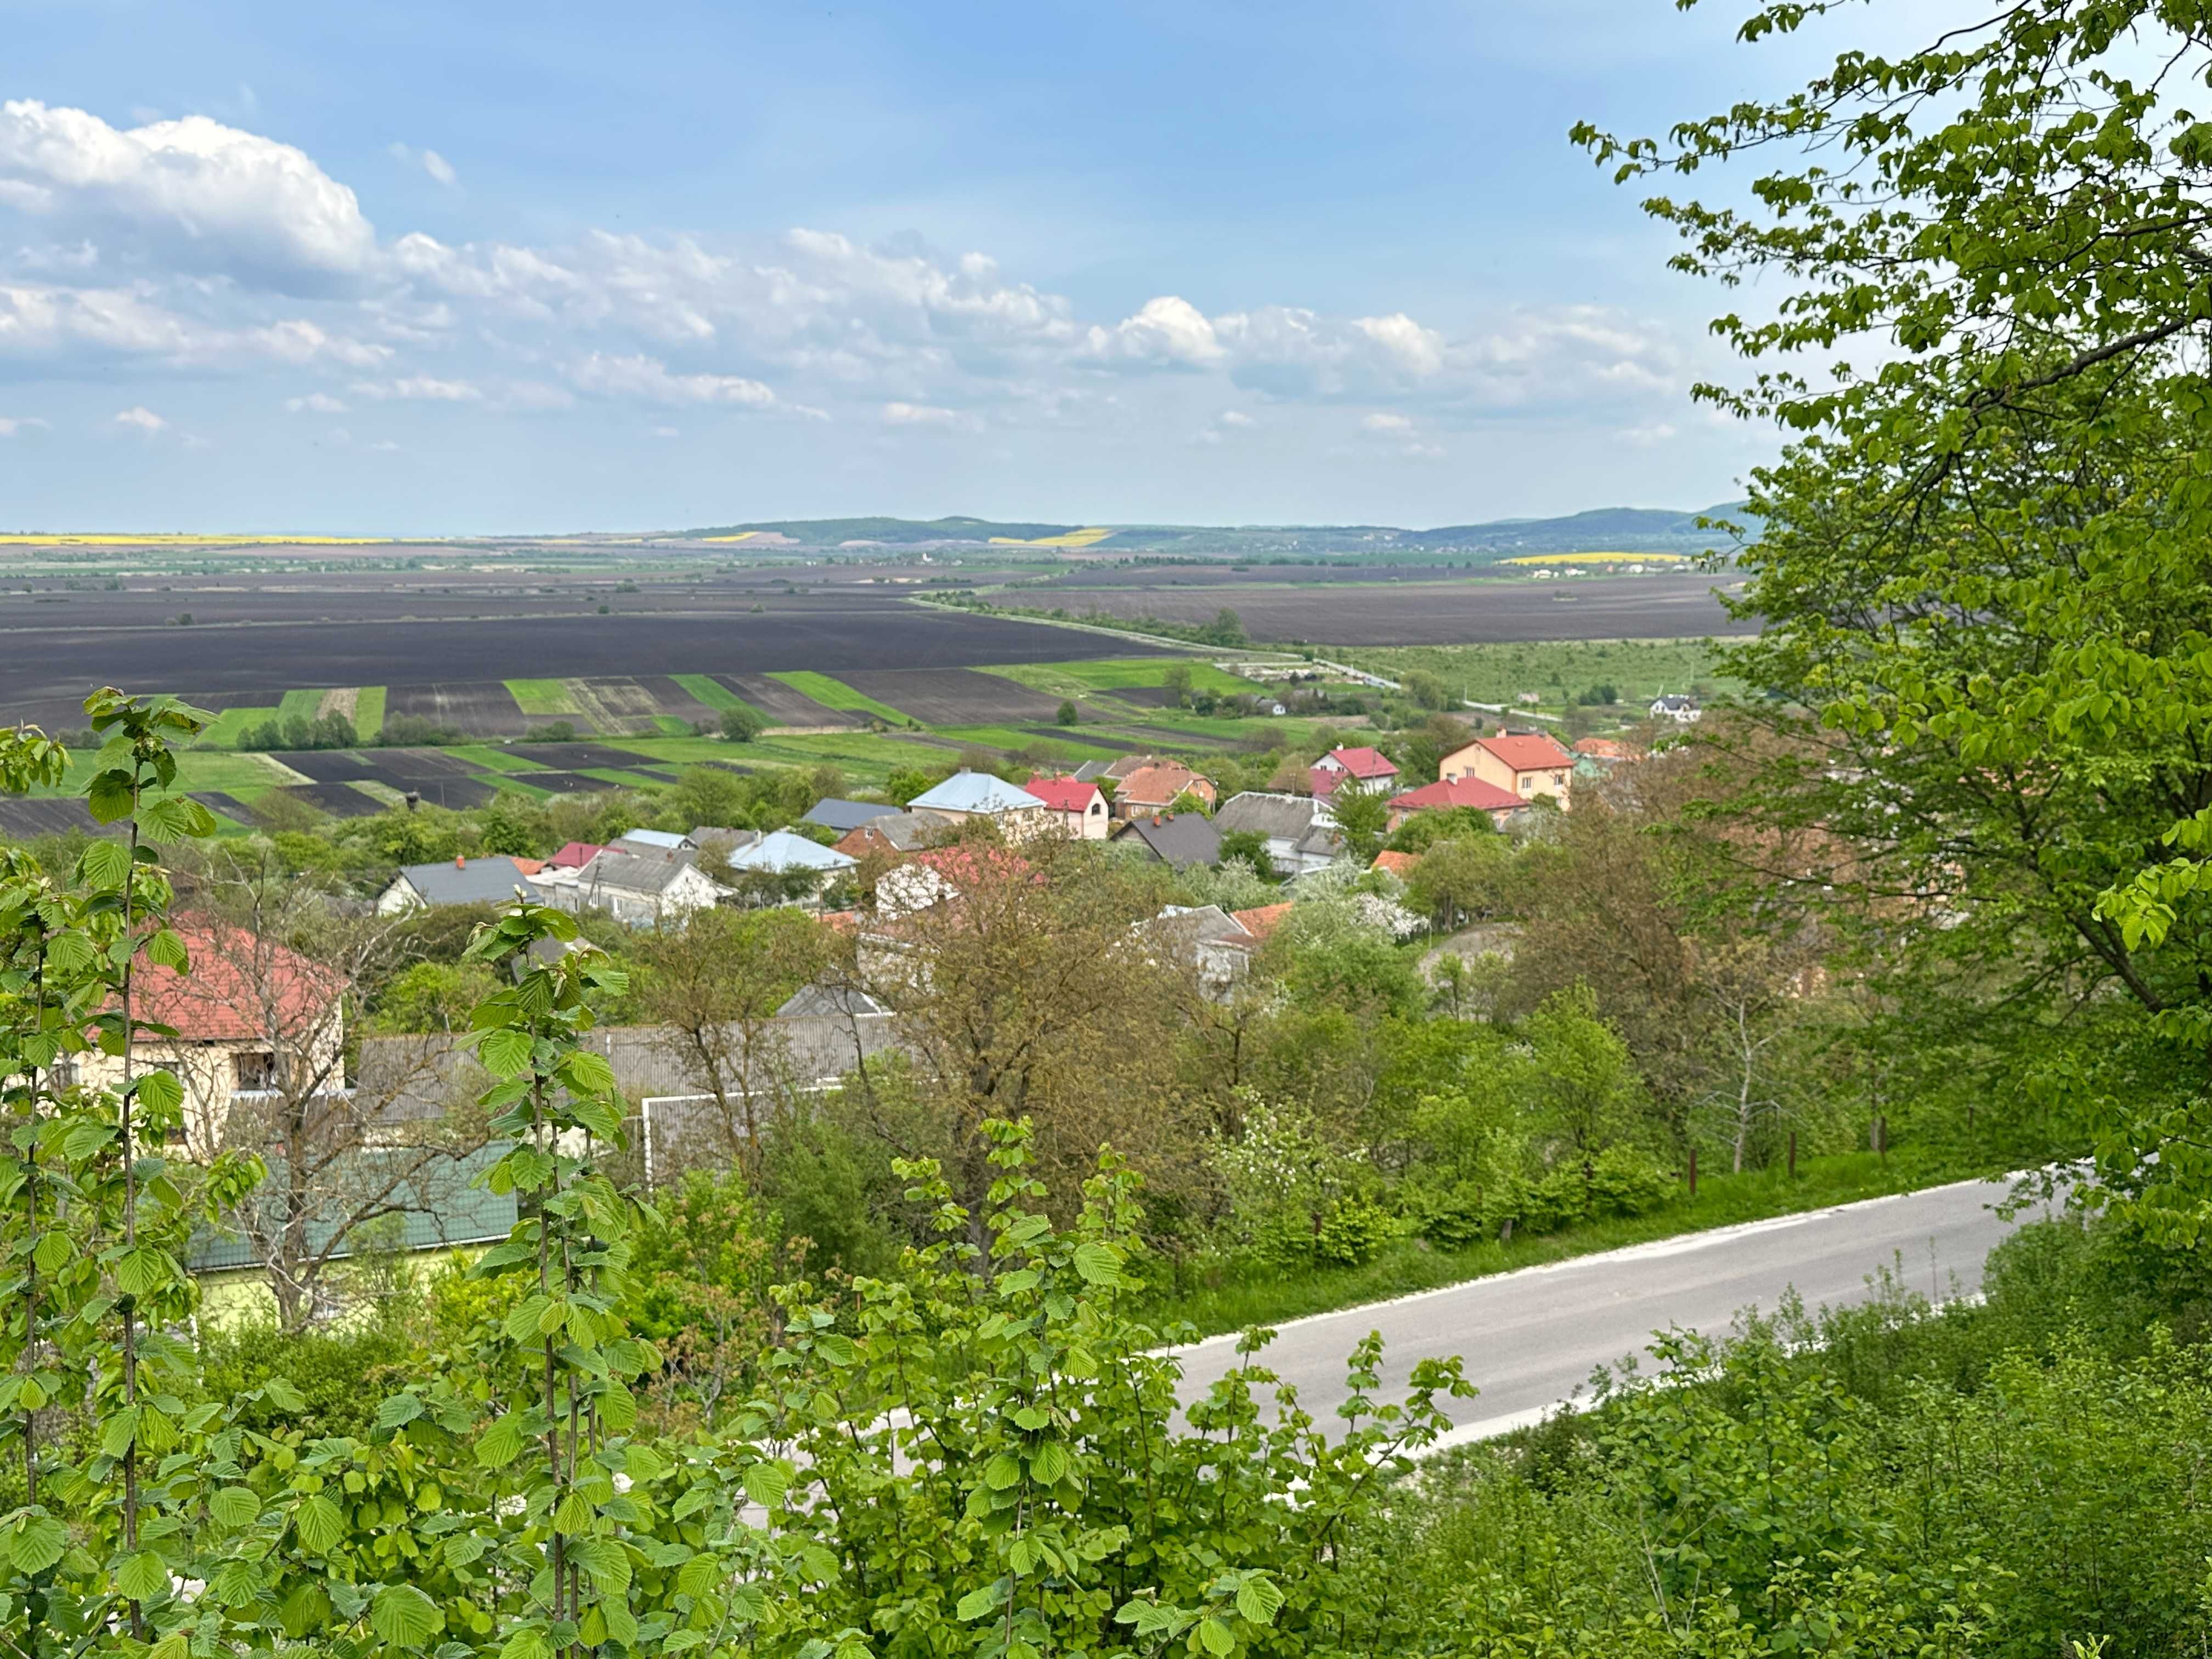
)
(673, 698)
(953, 696)
(483, 709)
(340, 800)
(616, 705)
(784, 705)
(572, 756)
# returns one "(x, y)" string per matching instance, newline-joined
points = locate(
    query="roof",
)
(832, 813)
(1064, 794)
(1468, 790)
(1157, 784)
(832, 1002)
(1674, 699)
(664, 841)
(1527, 751)
(974, 792)
(465, 881)
(1181, 839)
(575, 855)
(1361, 762)
(1278, 818)
(440, 1203)
(645, 870)
(530, 866)
(1263, 920)
(1120, 769)
(1399, 865)
(241, 987)
(1607, 749)
(1090, 771)
(904, 830)
(786, 849)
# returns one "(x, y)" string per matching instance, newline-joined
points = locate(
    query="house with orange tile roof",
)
(1526, 765)
(1157, 787)
(1360, 768)
(1447, 793)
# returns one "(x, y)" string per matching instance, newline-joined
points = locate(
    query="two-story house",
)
(1526, 765)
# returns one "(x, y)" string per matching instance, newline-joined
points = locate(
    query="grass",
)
(669, 726)
(712, 692)
(306, 704)
(368, 712)
(542, 696)
(1555, 670)
(230, 725)
(1066, 679)
(836, 693)
(1072, 743)
(1267, 1295)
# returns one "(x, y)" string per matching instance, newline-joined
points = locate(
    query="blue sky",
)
(419, 269)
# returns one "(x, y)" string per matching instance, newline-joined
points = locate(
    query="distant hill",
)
(1605, 529)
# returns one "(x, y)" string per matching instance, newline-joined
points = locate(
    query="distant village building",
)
(1157, 786)
(1357, 768)
(1678, 708)
(1178, 839)
(1447, 793)
(892, 833)
(965, 795)
(831, 813)
(639, 889)
(1301, 835)
(463, 881)
(1526, 765)
(1076, 806)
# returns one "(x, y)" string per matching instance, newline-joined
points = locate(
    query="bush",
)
(342, 1373)
(742, 724)
(1351, 1232)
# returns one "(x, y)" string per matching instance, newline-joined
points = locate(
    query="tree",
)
(1361, 815)
(280, 958)
(1983, 563)
(743, 723)
(1466, 880)
(1248, 847)
(1066, 714)
(1427, 690)
(713, 987)
(1175, 680)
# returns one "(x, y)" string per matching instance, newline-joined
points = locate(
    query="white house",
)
(1675, 706)
(639, 888)
(1018, 813)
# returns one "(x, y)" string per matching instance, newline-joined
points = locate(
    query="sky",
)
(413, 269)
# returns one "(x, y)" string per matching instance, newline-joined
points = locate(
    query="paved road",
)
(1531, 1339)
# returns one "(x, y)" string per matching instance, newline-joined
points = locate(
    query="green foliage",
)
(1362, 815)
(742, 723)
(331, 730)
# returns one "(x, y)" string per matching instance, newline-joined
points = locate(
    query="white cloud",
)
(212, 196)
(896, 414)
(1234, 417)
(12, 424)
(650, 380)
(428, 159)
(1650, 432)
(1383, 422)
(315, 402)
(1167, 333)
(419, 388)
(668, 432)
(141, 419)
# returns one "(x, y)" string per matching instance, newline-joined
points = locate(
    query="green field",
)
(1556, 670)
(368, 712)
(544, 696)
(712, 692)
(1072, 746)
(497, 758)
(1068, 679)
(836, 693)
(306, 704)
(230, 725)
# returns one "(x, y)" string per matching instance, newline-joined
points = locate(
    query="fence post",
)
(1693, 1174)
(1793, 1155)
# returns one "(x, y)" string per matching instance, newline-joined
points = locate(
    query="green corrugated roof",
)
(453, 1210)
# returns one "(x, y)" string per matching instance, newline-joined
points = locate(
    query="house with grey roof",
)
(639, 889)
(895, 832)
(1178, 839)
(831, 813)
(794, 859)
(964, 795)
(462, 881)
(1301, 835)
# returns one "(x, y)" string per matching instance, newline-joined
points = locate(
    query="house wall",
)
(1089, 825)
(208, 1071)
(400, 895)
(1475, 761)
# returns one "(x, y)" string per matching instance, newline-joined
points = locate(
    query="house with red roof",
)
(1400, 865)
(1526, 765)
(1155, 787)
(1446, 793)
(250, 1016)
(1077, 808)
(575, 855)
(1360, 768)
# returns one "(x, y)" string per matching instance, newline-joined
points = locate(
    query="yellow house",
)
(1528, 765)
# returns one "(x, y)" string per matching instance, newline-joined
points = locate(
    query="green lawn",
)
(1075, 742)
(230, 725)
(671, 726)
(1270, 1295)
(836, 693)
(1111, 673)
(712, 692)
(542, 696)
(1557, 671)
(368, 712)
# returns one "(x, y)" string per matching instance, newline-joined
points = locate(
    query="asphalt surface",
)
(1531, 1339)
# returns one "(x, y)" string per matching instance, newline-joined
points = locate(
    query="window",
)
(255, 1072)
